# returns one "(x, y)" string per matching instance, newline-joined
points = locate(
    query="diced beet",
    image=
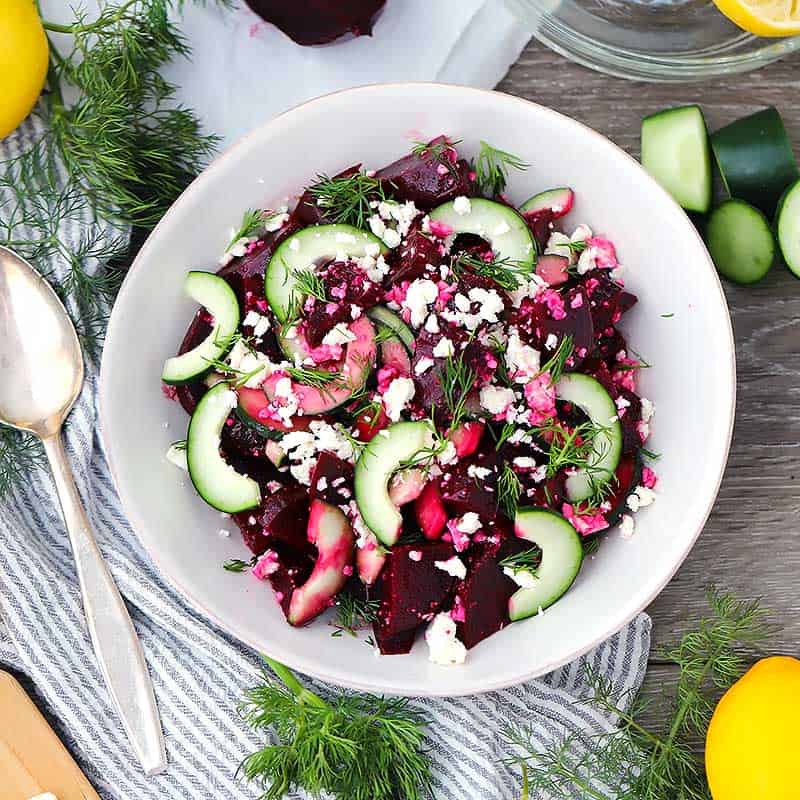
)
(467, 437)
(484, 593)
(417, 177)
(609, 344)
(414, 255)
(552, 269)
(288, 577)
(630, 417)
(307, 212)
(346, 282)
(237, 437)
(541, 225)
(412, 590)
(319, 21)
(189, 394)
(608, 300)
(536, 323)
(430, 511)
(333, 475)
(397, 645)
(462, 492)
(280, 523)
(549, 493)
(626, 479)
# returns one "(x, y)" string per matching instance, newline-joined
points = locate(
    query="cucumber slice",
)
(591, 397)
(385, 318)
(558, 202)
(501, 226)
(740, 241)
(788, 226)
(562, 555)
(381, 458)
(216, 481)
(306, 249)
(215, 294)
(755, 159)
(675, 152)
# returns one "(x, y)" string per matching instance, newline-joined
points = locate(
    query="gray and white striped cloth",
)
(200, 673)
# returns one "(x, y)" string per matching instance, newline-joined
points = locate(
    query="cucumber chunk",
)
(788, 227)
(557, 202)
(755, 159)
(740, 241)
(381, 458)
(501, 226)
(217, 297)
(562, 555)
(384, 317)
(216, 481)
(305, 250)
(590, 396)
(675, 152)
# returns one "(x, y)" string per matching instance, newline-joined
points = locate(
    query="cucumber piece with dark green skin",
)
(562, 556)
(384, 317)
(755, 159)
(787, 224)
(675, 152)
(740, 241)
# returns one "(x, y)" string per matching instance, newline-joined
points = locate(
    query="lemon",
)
(763, 17)
(752, 741)
(23, 61)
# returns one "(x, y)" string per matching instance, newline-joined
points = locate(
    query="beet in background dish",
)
(310, 22)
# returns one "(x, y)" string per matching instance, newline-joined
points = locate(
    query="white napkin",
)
(244, 71)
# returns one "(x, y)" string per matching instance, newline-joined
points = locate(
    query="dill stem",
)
(289, 679)
(55, 27)
(525, 783)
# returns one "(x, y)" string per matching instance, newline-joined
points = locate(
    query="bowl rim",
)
(302, 664)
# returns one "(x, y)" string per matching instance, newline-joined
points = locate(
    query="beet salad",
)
(413, 399)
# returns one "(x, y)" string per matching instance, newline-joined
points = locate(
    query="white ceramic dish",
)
(692, 381)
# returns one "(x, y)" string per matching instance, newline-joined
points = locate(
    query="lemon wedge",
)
(763, 17)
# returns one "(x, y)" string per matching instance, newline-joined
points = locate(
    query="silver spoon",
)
(41, 374)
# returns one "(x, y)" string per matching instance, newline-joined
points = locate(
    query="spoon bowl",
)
(41, 368)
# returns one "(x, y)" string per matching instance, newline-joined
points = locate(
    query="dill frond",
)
(509, 490)
(346, 199)
(354, 613)
(491, 169)
(507, 273)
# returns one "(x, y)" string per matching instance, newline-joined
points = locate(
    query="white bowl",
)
(691, 382)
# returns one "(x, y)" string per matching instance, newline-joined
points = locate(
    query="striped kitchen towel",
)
(200, 673)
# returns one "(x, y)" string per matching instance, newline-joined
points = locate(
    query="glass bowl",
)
(667, 41)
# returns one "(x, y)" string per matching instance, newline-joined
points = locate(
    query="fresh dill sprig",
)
(353, 614)
(590, 546)
(528, 560)
(507, 273)
(384, 334)
(457, 381)
(556, 364)
(509, 491)
(576, 247)
(309, 284)
(491, 169)
(346, 199)
(634, 761)
(315, 377)
(252, 225)
(439, 152)
(506, 432)
(20, 456)
(237, 565)
(351, 747)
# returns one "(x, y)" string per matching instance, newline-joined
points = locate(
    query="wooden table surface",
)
(751, 543)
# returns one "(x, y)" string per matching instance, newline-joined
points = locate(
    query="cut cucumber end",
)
(562, 556)
(381, 458)
(217, 297)
(740, 241)
(558, 202)
(788, 227)
(306, 249)
(675, 151)
(503, 227)
(590, 396)
(216, 481)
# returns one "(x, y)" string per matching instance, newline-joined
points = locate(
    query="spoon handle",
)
(116, 644)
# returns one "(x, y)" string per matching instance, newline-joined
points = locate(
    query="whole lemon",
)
(753, 741)
(23, 61)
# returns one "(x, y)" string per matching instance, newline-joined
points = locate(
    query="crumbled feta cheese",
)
(474, 471)
(423, 365)
(469, 523)
(448, 454)
(303, 447)
(432, 324)
(223, 533)
(496, 399)
(339, 334)
(391, 238)
(648, 409)
(551, 342)
(443, 644)
(522, 360)
(645, 496)
(525, 462)
(277, 220)
(420, 294)
(258, 322)
(415, 555)
(626, 526)
(453, 566)
(377, 226)
(397, 396)
(444, 348)
(524, 578)
(246, 361)
(462, 205)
